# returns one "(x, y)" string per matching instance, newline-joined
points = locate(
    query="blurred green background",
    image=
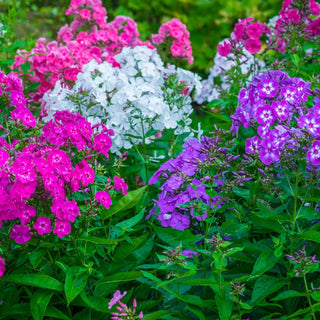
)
(209, 21)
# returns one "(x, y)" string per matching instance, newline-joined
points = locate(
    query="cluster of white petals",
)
(139, 96)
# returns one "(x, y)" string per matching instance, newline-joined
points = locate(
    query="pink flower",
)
(102, 143)
(17, 98)
(253, 45)
(117, 296)
(177, 49)
(224, 49)
(62, 228)
(42, 225)
(103, 198)
(254, 30)
(4, 157)
(20, 233)
(85, 14)
(25, 116)
(119, 184)
(27, 213)
(2, 267)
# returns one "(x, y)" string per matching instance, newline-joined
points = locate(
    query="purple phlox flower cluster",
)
(12, 96)
(184, 199)
(301, 261)
(275, 104)
(124, 312)
(44, 171)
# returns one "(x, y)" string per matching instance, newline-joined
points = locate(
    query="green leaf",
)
(96, 303)
(39, 302)
(197, 312)
(97, 240)
(75, 282)
(16, 310)
(224, 307)
(311, 235)
(127, 202)
(288, 294)
(36, 256)
(241, 192)
(126, 249)
(56, 313)
(308, 213)
(265, 262)
(35, 280)
(315, 295)
(265, 286)
(158, 315)
(120, 277)
(127, 224)
(199, 282)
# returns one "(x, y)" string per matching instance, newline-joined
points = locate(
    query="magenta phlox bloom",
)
(20, 233)
(4, 157)
(2, 267)
(27, 212)
(62, 228)
(24, 115)
(102, 143)
(103, 198)
(119, 184)
(268, 88)
(42, 225)
(280, 109)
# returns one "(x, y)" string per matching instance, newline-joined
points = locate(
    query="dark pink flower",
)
(224, 49)
(253, 45)
(42, 225)
(103, 198)
(119, 184)
(20, 233)
(254, 30)
(2, 267)
(102, 143)
(117, 296)
(62, 228)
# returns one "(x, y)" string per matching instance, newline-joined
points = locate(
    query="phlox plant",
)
(113, 207)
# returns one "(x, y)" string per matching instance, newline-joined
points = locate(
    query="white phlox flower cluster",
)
(221, 65)
(139, 96)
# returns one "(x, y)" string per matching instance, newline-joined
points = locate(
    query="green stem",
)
(308, 296)
(178, 289)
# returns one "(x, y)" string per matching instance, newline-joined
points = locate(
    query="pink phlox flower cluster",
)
(89, 37)
(11, 91)
(274, 103)
(246, 34)
(44, 170)
(2, 267)
(296, 14)
(124, 312)
(178, 35)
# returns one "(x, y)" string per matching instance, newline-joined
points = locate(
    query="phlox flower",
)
(42, 225)
(20, 233)
(103, 198)
(62, 228)
(2, 267)
(117, 296)
(119, 184)
(314, 153)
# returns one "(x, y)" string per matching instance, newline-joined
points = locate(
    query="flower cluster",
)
(192, 183)
(90, 37)
(63, 59)
(275, 104)
(131, 100)
(246, 35)
(219, 79)
(124, 312)
(2, 267)
(301, 262)
(46, 171)
(12, 97)
(178, 35)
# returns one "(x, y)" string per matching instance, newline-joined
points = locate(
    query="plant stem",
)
(308, 296)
